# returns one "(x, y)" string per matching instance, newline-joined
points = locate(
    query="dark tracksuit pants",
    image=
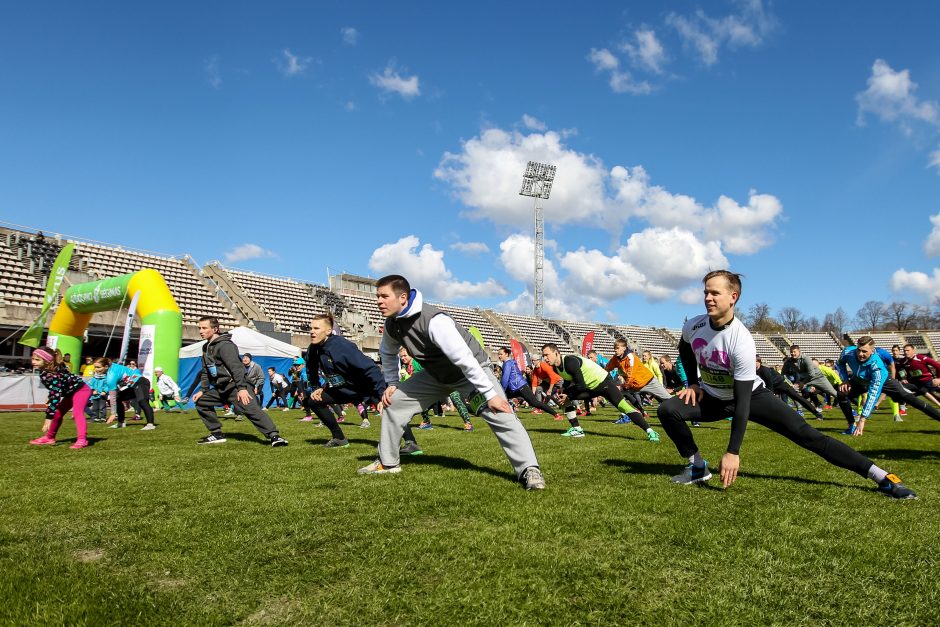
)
(212, 398)
(788, 391)
(611, 391)
(893, 390)
(525, 393)
(766, 410)
(139, 392)
(340, 396)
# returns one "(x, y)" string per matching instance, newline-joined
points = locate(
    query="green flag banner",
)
(33, 334)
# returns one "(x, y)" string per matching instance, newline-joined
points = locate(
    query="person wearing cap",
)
(168, 391)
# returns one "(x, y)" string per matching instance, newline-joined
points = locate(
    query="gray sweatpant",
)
(822, 384)
(656, 389)
(421, 391)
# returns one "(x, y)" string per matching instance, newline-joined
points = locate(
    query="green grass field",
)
(148, 528)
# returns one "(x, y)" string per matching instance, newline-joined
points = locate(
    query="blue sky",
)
(798, 143)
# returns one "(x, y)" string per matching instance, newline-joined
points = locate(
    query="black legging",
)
(139, 392)
(892, 389)
(277, 397)
(766, 410)
(525, 393)
(788, 391)
(334, 397)
(611, 391)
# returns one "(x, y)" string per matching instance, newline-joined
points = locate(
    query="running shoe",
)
(696, 424)
(306, 419)
(467, 426)
(820, 416)
(897, 418)
(652, 436)
(693, 474)
(80, 443)
(148, 427)
(376, 468)
(903, 411)
(425, 426)
(43, 440)
(228, 412)
(118, 425)
(559, 417)
(212, 438)
(277, 441)
(536, 411)
(532, 478)
(892, 486)
(849, 431)
(623, 420)
(365, 424)
(335, 443)
(573, 432)
(411, 448)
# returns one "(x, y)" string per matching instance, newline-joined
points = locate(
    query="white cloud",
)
(929, 286)
(291, 64)
(706, 35)
(932, 244)
(646, 52)
(487, 174)
(350, 35)
(690, 296)
(934, 161)
(425, 270)
(350, 105)
(890, 96)
(391, 82)
(247, 251)
(471, 248)
(533, 123)
(621, 81)
(213, 69)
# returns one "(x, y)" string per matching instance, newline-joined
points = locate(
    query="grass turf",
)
(148, 528)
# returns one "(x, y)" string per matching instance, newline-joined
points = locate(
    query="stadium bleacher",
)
(816, 345)
(493, 338)
(535, 332)
(650, 339)
(603, 340)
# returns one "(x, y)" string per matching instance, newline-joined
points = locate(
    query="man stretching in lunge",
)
(869, 374)
(515, 384)
(223, 382)
(776, 383)
(718, 348)
(584, 380)
(453, 360)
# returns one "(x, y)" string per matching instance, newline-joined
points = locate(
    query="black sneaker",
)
(212, 438)
(277, 440)
(892, 486)
(411, 448)
(335, 443)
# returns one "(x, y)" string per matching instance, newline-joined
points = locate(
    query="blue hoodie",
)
(512, 379)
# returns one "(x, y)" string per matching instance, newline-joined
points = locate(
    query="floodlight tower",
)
(537, 183)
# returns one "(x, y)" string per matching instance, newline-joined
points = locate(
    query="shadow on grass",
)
(667, 470)
(903, 453)
(323, 440)
(246, 437)
(444, 461)
(592, 434)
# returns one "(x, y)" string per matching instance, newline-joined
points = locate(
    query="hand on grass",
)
(728, 468)
(859, 428)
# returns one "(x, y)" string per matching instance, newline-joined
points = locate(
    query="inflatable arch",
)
(156, 307)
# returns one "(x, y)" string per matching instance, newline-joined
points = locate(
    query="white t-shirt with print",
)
(722, 356)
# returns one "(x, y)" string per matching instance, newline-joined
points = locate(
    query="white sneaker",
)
(376, 468)
(118, 425)
(148, 427)
(229, 413)
(285, 409)
(365, 424)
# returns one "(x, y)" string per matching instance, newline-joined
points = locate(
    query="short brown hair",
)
(212, 320)
(865, 340)
(324, 316)
(397, 282)
(103, 361)
(734, 279)
(621, 342)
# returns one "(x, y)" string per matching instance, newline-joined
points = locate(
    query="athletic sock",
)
(573, 418)
(696, 460)
(876, 474)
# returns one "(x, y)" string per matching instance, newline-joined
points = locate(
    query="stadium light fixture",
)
(537, 183)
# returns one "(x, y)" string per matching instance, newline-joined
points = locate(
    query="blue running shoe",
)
(623, 420)
(849, 431)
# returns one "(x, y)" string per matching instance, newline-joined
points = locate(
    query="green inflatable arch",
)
(156, 307)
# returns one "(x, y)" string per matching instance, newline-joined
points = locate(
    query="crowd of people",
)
(428, 362)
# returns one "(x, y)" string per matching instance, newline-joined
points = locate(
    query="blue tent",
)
(265, 351)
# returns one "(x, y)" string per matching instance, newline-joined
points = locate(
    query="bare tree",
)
(923, 317)
(836, 322)
(757, 315)
(901, 315)
(812, 325)
(871, 316)
(791, 319)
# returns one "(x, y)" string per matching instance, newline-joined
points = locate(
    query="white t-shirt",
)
(722, 356)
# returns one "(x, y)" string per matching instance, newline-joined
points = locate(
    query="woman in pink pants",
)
(66, 391)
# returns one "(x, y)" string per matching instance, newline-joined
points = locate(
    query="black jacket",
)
(344, 366)
(221, 366)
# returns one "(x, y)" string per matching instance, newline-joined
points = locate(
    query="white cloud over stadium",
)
(678, 238)
(928, 286)
(424, 267)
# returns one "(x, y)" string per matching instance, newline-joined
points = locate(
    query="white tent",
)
(266, 352)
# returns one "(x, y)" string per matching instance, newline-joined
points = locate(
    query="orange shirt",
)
(634, 372)
(541, 372)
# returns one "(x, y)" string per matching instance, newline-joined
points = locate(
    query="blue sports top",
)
(871, 373)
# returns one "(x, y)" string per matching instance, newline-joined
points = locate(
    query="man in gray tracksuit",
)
(452, 360)
(801, 370)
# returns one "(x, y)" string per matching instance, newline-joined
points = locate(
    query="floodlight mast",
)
(537, 183)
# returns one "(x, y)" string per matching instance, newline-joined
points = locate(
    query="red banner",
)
(518, 354)
(588, 345)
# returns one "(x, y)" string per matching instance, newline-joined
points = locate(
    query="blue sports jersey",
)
(885, 356)
(871, 373)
